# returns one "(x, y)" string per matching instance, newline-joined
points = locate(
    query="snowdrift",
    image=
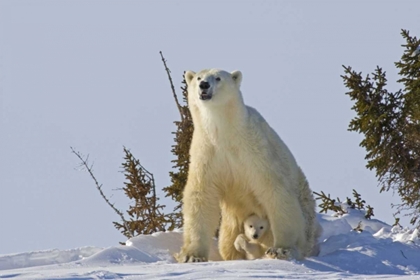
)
(379, 251)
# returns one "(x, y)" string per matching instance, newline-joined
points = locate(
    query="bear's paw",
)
(278, 253)
(185, 258)
(240, 243)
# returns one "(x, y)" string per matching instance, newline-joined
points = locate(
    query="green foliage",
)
(369, 212)
(335, 205)
(397, 222)
(146, 216)
(359, 203)
(390, 123)
(329, 204)
(180, 149)
(145, 213)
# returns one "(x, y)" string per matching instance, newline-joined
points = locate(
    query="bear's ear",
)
(189, 75)
(237, 77)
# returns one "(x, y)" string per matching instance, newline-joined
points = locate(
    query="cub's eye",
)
(218, 79)
(198, 79)
(250, 226)
(261, 227)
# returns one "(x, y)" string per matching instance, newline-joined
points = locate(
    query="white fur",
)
(249, 241)
(240, 166)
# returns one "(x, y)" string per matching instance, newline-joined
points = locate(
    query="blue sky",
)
(87, 74)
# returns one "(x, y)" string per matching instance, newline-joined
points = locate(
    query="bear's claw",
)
(278, 253)
(192, 259)
(189, 259)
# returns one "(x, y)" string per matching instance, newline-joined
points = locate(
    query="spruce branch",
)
(359, 202)
(183, 137)
(328, 204)
(145, 213)
(390, 123)
(369, 212)
(85, 163)
(397, 222)
(350, 203)
(331, 204)
(358, 228)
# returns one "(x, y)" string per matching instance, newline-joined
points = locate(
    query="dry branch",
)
(172, 86)
(84, 163)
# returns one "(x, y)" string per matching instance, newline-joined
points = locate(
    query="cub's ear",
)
(189, 75)
(237, 77)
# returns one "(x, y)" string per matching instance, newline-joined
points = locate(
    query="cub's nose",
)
(255, 236)
(204, 85)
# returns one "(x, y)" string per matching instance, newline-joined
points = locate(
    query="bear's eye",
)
(198, 79)
(261, 227)
(218, 79)
(250, 226)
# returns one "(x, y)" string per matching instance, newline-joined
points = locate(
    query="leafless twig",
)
(359, 227)
(402, 253)
(172, 85)
(85, 164)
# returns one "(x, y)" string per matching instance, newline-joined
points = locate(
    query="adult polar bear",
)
(240, 166)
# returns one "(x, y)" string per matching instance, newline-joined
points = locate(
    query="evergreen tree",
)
(145, 213)
(390, 123)
(181, 150)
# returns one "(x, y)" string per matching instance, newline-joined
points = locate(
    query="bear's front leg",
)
(240, 243)
(229, 232)
(251, 250)
(287, 223)
(201, 214)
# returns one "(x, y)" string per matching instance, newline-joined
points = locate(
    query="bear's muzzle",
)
(204, 95)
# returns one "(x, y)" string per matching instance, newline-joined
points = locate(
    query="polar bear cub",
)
(249, 242)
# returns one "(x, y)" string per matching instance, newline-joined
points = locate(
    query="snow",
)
(416, 52)
(380, 251)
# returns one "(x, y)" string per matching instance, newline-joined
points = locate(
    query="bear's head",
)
(213, 86)
(255, 227)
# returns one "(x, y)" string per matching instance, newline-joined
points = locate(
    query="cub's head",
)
(213, 85)
(255, 227)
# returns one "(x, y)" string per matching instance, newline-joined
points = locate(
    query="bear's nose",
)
(255, 236)
(204, 85)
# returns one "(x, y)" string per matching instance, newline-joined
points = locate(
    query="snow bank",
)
(46, 257)
(165, 244)
(379, 251)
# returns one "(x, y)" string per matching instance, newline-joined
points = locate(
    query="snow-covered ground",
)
(378, 252)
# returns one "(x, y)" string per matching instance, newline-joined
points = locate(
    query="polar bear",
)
(249, 242)
(240, 166)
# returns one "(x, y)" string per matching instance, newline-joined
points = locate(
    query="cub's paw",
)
(184, 258)
(278, 253)
(240, 243)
